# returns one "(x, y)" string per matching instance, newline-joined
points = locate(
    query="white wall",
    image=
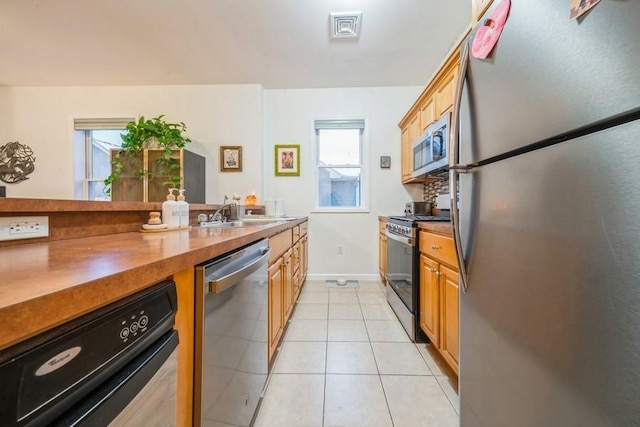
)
(42, 118)
(289, 116)
(247, 115)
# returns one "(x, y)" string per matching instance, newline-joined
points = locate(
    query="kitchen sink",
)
(246, 222)
(220, 224)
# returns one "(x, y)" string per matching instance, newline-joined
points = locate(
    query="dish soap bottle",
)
(183, 208)
(170, 213)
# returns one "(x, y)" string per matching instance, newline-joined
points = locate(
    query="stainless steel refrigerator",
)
(545, 176)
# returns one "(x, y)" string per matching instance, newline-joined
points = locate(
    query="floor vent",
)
(347, 284)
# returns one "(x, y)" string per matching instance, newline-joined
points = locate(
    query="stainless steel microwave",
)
(430, 150)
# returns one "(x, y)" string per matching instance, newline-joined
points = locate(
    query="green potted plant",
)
(154, 134)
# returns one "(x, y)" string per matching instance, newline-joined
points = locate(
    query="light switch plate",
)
(23, 227)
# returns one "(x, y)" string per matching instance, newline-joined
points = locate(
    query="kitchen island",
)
(46, 284)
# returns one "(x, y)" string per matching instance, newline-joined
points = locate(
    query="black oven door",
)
(400, 266)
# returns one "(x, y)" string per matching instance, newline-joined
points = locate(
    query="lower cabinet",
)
(439, 297)
(382, 250)
(450, 330)
(275, 320)
(430, 299)
(287, 272)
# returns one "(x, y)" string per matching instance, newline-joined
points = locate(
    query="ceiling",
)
(276, 43)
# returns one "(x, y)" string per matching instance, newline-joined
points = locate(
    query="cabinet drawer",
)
(382, 225)
(438, 247)
(296, 233)
(303, 228)
(279, 244)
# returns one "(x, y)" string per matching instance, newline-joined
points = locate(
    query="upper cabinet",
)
(435, 100)
(478, 7)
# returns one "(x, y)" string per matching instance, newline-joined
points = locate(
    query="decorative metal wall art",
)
(16, 162)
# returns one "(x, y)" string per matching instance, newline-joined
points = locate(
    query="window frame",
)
(364, 165)
(83, 129)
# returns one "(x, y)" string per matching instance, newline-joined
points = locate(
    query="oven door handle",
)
(402, 239)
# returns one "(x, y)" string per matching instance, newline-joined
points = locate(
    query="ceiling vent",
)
(345, 24)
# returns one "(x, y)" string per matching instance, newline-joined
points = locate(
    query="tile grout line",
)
(326, 361)
(375, 360)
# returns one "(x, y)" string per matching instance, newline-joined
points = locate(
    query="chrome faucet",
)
(217, 216)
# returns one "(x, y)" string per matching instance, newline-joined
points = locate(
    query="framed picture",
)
(287, 160)
(230, 159)
(385, 162)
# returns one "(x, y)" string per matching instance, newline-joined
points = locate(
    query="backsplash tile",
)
(431, 189)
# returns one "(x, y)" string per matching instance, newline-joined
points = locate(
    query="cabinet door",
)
(445, 92)
(287, 280)
(275, 305)
(450, 330)
(427, 114)
(414, 127)
(383, 257)
(304, 259)
(430, 299)
(406, 154)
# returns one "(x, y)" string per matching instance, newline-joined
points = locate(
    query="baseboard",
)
(362, 277)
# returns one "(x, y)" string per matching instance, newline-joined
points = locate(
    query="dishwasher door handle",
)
(218, 285)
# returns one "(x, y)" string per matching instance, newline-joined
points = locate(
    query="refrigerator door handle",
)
(455, 168)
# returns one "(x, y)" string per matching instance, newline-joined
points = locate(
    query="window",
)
(340, 167)
(93, 140)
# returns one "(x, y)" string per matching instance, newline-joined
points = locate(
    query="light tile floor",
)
(345, 361)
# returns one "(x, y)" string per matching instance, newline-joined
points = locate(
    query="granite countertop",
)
(46, 284)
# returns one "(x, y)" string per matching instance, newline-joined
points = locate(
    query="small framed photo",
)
(385, 162)
(287, 160)
(230, 159)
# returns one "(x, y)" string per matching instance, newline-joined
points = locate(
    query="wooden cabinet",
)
(406, 154)
(287, 271)
(287, 285)
(449, 305)
(427, 113)
(382, 250)
(430, 299)
(478, 7)
(275, 320)
(439, 298)
(445, 91)
(436, 100)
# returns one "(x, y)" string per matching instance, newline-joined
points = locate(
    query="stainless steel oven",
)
(403, 271)
(403, 258)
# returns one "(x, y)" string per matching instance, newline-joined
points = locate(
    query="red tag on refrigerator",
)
(488, 34)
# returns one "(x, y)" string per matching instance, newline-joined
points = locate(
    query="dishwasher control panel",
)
(48, 369)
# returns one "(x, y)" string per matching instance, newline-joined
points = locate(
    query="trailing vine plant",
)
(145, 134)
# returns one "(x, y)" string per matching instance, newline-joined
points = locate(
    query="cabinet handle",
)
(431, 269)
(435, 247)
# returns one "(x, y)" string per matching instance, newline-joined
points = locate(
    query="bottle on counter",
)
(183, 209)
(170, 212)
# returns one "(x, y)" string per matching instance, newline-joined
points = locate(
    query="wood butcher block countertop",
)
(43, 285)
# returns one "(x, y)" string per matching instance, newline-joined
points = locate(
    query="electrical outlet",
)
(340, 249)
(23, 227)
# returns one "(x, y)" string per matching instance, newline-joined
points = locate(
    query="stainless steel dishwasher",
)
(231, 336)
